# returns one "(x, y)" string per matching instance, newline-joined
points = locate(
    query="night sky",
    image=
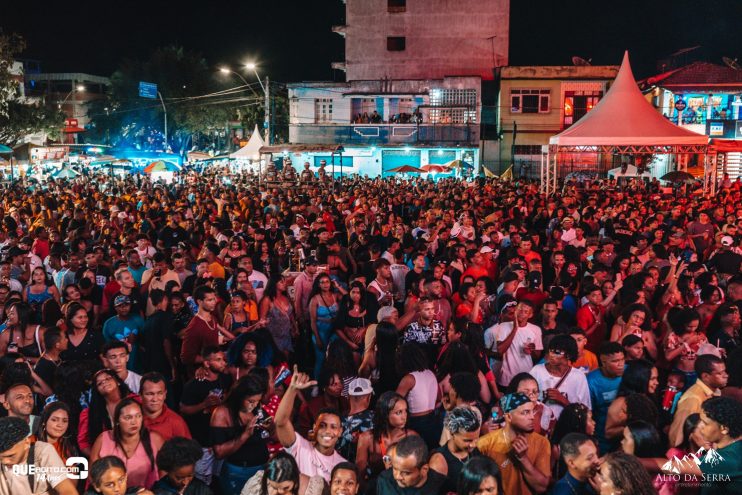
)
(292, 39)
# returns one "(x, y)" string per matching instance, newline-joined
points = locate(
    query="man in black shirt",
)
(199, 399)
(410, 473)
(157, 345)
(55, 341)
(172, 233)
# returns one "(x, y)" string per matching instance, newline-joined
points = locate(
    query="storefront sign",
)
(716, 129)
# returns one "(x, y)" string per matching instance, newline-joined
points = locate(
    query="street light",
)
(79, 88)
(266, 89)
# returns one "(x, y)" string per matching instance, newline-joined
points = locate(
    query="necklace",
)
(209, 325)
(572, 488)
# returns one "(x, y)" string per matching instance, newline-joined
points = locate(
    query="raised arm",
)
(284, 429)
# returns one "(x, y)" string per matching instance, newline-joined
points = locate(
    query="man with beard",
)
(523, 456)
(410, 473)
(318, 458)
(580, 455)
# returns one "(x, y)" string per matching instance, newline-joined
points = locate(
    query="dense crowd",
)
(369, 336)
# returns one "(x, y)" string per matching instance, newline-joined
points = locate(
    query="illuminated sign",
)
(716, 129)
(147, 90)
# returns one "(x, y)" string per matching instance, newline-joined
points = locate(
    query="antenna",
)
(580, 62)
(732, 63)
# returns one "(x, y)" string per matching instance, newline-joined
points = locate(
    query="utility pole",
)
(267, 123)
(164, 111)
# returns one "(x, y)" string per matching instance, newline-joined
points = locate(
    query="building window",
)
(453, 106)
(396, 5)
(322, 110)
(530, 100)
(527, 149)
(395, 43)
(577, 104)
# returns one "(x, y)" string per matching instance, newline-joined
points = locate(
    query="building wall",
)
(442, 38)
(309, 124)
(535, 129)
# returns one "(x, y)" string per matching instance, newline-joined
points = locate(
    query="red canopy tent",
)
(623, 122)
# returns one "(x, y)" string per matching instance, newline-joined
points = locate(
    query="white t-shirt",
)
(258, 281)
(515, 360)
(574, 387)
(399, 271)
(132, 380)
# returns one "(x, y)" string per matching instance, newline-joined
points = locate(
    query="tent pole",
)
(541, 172)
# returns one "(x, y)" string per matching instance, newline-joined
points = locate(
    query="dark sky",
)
(293, 41)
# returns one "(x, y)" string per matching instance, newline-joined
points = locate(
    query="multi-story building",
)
(537, 102)
(70, 92)
(413, 96)
(705, 98)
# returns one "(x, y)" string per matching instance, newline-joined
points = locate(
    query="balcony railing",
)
(385, 134)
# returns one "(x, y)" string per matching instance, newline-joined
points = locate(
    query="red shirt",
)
(168, 424)
(586, 319)
(198, 334)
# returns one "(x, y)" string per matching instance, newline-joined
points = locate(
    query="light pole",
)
(79, 88)
(75, 89)
(266, 90)
(164, 111)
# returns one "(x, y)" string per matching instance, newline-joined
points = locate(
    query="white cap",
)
(727, 241)
(359, 387)
(486, 249)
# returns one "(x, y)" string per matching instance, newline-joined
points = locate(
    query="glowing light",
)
(250, 66)
(224, 70)
(80, 87)
(440, 152)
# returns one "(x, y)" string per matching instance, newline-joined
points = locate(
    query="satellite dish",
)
(580, 62)
(732, 63)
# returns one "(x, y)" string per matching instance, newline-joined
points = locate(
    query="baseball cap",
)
(311, 261)
(727, 241)
(119, 300)
(359, 387)
(486, 249)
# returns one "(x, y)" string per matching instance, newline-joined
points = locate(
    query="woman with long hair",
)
(39, 290)
(623, 474)
(54, 428)
(108, 476)
(19, 333)
(641, 439)
(177, 462)
(278, 312)
(84, 344)
(107, 392)
(378, 363)
(457, 358)
(237, 430)
(243, 354)
(132, 442)
(420, 387)
(636, 319)
(576, 418)
(323, 310)
(479, 476)
(390, 426)
(683, 341)
(282, 477)
(353, 319)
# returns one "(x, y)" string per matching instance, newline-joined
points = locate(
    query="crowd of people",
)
(369, 336)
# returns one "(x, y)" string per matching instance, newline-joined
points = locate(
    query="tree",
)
(18, 116)
(196, 99)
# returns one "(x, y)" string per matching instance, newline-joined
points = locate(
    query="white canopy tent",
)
(623, 122)
(251, 151)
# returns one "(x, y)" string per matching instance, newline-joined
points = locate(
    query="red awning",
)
(73, 130)
(727, 145)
